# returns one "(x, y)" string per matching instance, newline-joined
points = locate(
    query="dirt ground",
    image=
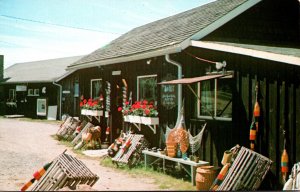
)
(25, 146)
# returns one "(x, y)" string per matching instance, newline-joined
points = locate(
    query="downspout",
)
(60, 95)
(179, 91)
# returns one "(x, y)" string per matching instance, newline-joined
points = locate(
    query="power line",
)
(60, 25)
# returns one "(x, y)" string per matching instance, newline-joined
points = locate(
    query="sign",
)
(169, 93)
(21, 88)
(116, 73)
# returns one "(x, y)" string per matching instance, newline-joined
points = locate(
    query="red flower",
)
(84, 101)
(127, 102)
(147, 111)
(90, 100)
(81, 104)
(119, 108)
(144, 106)
(145, 102)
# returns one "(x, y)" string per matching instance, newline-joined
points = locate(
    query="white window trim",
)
(137, 83)
(91, 87)
(215, 105)
(30, 94)
(14, 94)
(35, 92)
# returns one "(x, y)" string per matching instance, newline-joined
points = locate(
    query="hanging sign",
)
(169, 93)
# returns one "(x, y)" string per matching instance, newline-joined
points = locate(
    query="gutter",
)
(60, 96)
(179, 91)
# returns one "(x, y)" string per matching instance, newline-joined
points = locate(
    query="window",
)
(36, 92)
(216, 99)
(30, 92)
(96, 88)
(12, 94)
(76, 89)
(147, 88)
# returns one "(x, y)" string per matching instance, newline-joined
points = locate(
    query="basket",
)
(205, 177)
(171, 149)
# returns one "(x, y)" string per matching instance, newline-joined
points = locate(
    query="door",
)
(116, 101)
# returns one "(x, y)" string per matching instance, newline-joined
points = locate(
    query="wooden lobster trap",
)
(65, 171)
(67, 128)
(247, 171)
(131, 150)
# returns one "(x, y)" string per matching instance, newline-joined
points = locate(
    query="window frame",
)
(91, 87)
(137, 85)
(14, 94)
(215, 101)
(36, 92)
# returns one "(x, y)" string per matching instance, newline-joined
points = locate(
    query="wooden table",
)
(189, 166)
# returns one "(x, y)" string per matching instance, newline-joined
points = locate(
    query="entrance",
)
(116, 102)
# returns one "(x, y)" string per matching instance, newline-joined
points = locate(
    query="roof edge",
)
(154, 53)
(248, 52)
(223, 20)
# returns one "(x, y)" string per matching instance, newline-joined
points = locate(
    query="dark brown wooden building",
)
(31, 88)
(259, 42)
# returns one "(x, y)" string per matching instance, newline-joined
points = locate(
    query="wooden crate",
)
(65, 171)
(246, 172)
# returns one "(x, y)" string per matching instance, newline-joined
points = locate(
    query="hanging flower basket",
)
(150, 120)
(92, 112)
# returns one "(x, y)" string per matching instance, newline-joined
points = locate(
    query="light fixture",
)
(148, 62)
(220, 65)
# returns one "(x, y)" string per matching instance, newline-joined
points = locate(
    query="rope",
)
(201, 59)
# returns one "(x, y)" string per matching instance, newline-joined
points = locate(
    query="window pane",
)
(224, 98)
(96, 88)
(147, 87)
(207, 98)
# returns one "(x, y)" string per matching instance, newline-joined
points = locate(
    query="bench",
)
(189, 166)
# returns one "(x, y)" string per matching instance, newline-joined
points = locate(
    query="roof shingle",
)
(163, 33)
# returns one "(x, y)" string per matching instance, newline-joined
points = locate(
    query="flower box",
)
(142, 120)
(126, 118)
(92, 112)
(150, 120)
(134, 119)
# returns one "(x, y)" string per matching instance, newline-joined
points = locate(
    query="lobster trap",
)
(65, 171)
(247, 171)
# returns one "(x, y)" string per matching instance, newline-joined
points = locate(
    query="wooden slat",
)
(273, 123)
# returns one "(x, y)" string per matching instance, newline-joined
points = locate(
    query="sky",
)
(32, 30)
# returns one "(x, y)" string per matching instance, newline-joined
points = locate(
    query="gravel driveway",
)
(26, 146)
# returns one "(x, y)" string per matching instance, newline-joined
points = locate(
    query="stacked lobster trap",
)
(127, 149)
(65, 171)
(245, 171)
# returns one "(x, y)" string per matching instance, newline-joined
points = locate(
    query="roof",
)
(168, 35)
(39, 71)
(288, 55)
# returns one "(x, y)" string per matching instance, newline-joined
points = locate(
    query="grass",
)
(57, 122)
(164, 181)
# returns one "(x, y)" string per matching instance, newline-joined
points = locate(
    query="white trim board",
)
(249, 52)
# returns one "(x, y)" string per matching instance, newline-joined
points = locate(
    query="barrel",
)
(205, 177)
